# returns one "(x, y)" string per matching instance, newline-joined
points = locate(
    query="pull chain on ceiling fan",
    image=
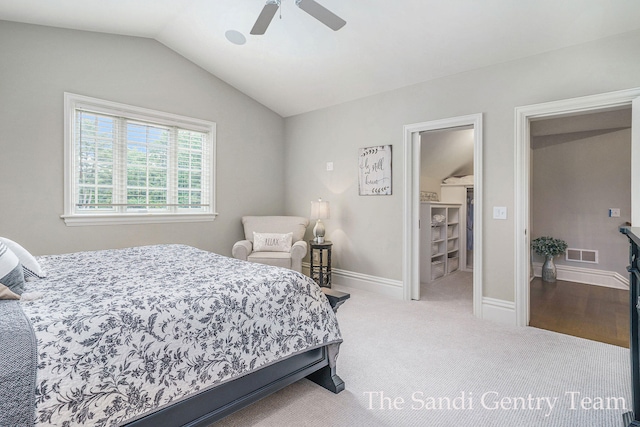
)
(313, 8)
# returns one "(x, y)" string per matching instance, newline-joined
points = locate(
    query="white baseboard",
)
(498, 310)
(609, 279)
(349, 279)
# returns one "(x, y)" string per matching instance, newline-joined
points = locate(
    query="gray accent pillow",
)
(11, 274)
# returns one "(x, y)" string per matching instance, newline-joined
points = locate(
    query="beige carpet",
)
(431, 363)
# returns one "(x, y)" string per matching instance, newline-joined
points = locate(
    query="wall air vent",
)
(582, 255)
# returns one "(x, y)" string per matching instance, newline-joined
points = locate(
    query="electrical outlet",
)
(614, 213)
(329, 166)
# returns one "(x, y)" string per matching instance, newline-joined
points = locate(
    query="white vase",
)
(549, 272)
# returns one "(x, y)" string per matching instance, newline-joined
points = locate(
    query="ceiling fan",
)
(313, 8)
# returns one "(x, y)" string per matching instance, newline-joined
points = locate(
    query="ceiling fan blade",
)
(268, 12)
(322, 14)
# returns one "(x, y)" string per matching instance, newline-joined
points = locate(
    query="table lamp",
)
(319, 211)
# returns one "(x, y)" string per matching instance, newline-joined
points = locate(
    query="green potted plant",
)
(548, 247)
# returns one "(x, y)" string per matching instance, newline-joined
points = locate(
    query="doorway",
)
(580, 169)
(446, 209)
(565, 108)
(411, 220)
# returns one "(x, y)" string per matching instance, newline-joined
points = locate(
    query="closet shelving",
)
(440, 229)
(462, 194)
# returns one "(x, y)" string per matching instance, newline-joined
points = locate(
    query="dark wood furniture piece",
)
(202, 409)
(632, 419)
(336, 298)
(320, 270)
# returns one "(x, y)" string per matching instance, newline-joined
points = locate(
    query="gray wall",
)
(38, 64)
(367, 231)
(576, 178)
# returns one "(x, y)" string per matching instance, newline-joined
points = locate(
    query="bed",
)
(171, 335)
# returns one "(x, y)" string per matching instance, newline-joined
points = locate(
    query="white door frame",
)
(567, 107)
(410, 228)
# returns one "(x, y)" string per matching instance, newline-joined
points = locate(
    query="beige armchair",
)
(292, 259)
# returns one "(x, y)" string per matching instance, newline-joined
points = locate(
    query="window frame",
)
(71, 217)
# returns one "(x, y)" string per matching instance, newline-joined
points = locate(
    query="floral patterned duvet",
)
(123, 332)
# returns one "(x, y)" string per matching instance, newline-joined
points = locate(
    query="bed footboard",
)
(336, 298)
(318, 365)
(214, 404)
(327, 376)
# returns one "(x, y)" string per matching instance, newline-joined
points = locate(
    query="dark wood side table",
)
(320, 270)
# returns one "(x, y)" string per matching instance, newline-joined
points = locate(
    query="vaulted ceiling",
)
(300, 65)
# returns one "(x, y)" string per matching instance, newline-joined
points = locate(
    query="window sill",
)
(124, 219)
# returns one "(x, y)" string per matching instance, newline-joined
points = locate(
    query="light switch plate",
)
(499, 212)
(614, 212)
(329, 166)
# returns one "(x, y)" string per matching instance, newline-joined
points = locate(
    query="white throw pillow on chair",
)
(272, 242)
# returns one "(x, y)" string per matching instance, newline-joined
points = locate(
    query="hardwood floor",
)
(587, 311)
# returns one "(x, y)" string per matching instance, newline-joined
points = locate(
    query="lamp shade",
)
(319, 209)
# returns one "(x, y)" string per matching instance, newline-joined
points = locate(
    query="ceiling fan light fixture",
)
(322, 14)
(268, 12)
(235, 37)
(311, 7)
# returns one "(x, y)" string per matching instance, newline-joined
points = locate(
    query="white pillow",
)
(11, 275)
(30, 266)
(272, 242)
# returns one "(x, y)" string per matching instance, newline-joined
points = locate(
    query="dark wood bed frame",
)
(202, 409)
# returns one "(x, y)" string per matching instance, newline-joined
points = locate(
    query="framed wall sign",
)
(374, 171)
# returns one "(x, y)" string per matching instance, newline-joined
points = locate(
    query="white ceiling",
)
(300, 65)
